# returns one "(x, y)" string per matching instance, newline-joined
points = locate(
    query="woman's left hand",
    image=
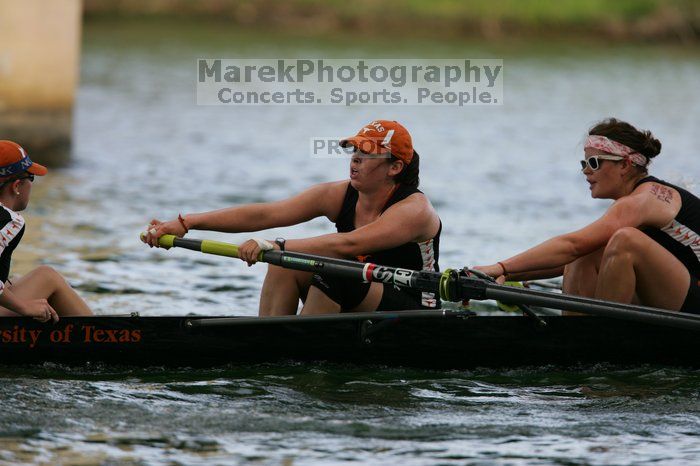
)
(250, 250)
(155, 229)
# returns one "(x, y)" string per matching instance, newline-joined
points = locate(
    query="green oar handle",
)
(341, 268)
(206, 246)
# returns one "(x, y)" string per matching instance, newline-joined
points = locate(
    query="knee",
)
(47, 277)
(280, 276)
(570, 268)
(625, 240)
(49, 273)
(583, 264)
(276, 272)
(576, 265)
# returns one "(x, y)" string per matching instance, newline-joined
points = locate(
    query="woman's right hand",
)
(39, 309)
(495, 271)
(156, 229)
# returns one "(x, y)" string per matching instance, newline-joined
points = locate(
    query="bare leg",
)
(581, 276)
(318, 303)
(282, 290)
(372, 300)
(44, 282)
(634, 264)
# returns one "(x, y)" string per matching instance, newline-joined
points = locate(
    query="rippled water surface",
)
(501, 178)
(327, 414)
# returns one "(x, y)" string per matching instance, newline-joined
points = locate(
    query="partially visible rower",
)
(644, 250)
(42, 293)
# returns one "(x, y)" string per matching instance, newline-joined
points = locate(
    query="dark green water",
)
(329, 414)
(501, 179)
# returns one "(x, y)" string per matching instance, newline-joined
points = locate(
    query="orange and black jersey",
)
(415, 256)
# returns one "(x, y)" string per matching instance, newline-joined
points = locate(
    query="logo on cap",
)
(383, 137)
(14, 159)
(387, 140)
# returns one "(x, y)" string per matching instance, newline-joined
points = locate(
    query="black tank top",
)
(11, 231)
(414, 256)
(681, 237)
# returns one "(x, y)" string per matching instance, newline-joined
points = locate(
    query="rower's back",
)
(681, 237)
(11, 232)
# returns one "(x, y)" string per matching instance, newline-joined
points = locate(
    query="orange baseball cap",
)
(14, 160)
(383, 137)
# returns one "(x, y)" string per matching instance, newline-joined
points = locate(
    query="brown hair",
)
(642, 141)
(409, 174)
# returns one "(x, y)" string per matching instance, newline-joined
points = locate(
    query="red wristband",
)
(182, 222)
(505, 272)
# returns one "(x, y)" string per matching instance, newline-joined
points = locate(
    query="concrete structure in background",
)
(39, 69)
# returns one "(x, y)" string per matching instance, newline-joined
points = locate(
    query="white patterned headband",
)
(615, 148)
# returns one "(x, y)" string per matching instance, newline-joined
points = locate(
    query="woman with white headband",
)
(645, 249)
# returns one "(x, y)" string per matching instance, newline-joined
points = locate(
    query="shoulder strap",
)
(401, 193)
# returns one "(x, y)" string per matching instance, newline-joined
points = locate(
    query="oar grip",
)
(206, 246)
(220, 249)
(166, 241)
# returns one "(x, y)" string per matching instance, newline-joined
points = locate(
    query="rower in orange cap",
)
(42, 293)
(380, 215)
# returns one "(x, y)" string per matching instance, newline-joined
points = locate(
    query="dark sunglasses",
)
(29, 177)
(593, 162)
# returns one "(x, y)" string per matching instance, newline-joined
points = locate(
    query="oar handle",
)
(206, 246)
(299, 261)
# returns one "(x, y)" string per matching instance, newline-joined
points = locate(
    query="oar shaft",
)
(593, 306)
(288, 259)
(449, 287)
(351, 316)
(368, 272)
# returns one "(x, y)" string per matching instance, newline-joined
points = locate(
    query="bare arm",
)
(319, 200)
(322, 199)
(410, 220)
(536, 274)
(563, 249)
(643, 207)
(39, 309)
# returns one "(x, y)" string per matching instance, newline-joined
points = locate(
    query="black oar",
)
(449, 285)
(523, 308)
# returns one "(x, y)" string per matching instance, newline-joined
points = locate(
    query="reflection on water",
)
(502, 178)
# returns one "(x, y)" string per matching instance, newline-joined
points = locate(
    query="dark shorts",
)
(692, 300)
(349, 294)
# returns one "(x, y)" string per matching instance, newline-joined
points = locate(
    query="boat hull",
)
(426, 339)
